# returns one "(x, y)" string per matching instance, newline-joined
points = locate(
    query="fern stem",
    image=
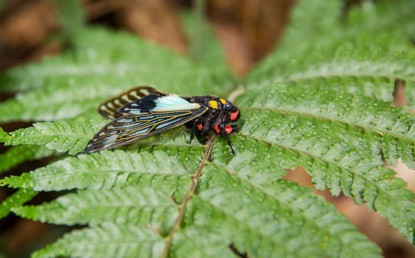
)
(189, 194)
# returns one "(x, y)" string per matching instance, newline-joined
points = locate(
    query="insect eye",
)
(228, 106)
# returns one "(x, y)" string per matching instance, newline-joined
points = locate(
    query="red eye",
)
(234, 115)
(199, 127)
(217, 129)
(228, 129)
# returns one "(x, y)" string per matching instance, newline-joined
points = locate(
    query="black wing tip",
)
(86, 151)
(90, 149)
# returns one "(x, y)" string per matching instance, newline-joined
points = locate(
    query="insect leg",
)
(192, 135)
(195, 129)
(223, 133)
(201, 128)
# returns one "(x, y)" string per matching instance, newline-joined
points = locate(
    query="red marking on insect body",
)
(200, 127)
(217, 128)
(228, 129)
(234, 115)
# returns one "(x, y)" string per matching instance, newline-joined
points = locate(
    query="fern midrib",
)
(100, 172)
(146, 173)
(286, 206)
(88, 104)
(88, 206)
(76, 137)
(198, 146)
(349, 170)
(71, 99)
(331, 119)
(122, 241)
(311, 74)
(74, 134)
(105, 66)
(195, 181)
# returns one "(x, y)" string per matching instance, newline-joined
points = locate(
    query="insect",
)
(144, 111)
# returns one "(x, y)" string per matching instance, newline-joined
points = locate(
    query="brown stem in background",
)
(399, 97)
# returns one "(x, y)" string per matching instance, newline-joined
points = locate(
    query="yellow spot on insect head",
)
(213, 104)
(223, 101)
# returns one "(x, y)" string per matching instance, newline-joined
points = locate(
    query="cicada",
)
(145, 111)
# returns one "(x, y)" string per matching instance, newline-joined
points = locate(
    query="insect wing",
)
(109, 109)
(127, 129)
(157, 103)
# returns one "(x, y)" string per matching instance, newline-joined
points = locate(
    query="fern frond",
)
(339, 158)
(15, 200)
(71, 16)
(124, 58)
(106, 170)
(108, 240)
(129, 205)
(63, 135)
(394, 128)
(22, 153)
(223, 211)
(356, 65)
(363, 56)
(227, 205)
(77, 81)
(394, 16)
(3, 135)
(49, 105)
(309, 21)
(190, 243)
(319, 23)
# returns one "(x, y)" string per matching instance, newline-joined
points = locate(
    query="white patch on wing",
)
(134, 112)
(166, 103)
(126, 120)
(173, 102)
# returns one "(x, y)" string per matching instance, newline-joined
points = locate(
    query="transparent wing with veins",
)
(129, 128)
